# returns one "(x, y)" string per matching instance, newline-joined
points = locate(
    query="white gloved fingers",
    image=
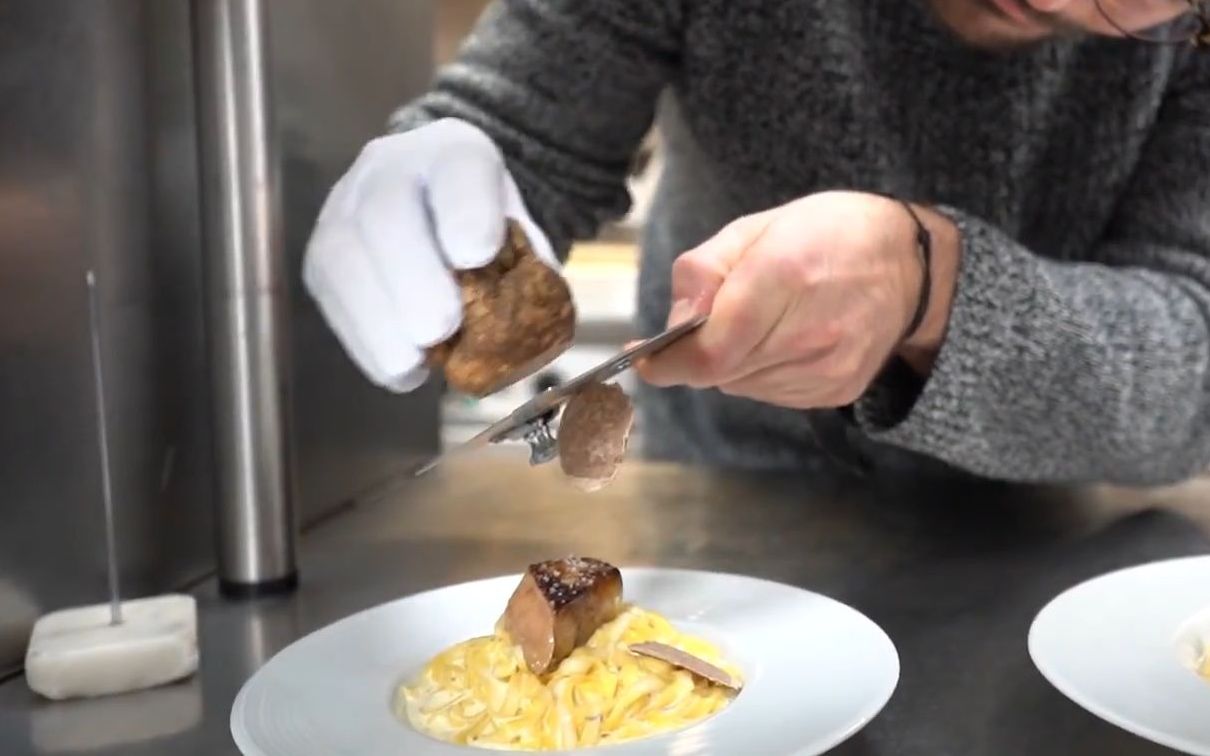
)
(465, 195)
(362, 356)
(411, 207)
(470, 193)
(394, 231)
(344, 284)
(514, 207)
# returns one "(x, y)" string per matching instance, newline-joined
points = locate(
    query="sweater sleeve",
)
(1098, 370)
(567, 89)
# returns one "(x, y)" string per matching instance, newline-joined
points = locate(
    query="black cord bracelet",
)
(924, 240)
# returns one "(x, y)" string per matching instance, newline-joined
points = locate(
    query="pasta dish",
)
(480, 693)
(484, 691)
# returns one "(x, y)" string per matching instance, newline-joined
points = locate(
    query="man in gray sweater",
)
(934, 235)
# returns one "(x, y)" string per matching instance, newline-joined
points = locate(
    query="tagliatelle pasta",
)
(480, 692)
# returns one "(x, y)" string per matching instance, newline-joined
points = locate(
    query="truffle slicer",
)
(531, 421)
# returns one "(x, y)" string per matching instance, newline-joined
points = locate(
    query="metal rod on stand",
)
(98, 375)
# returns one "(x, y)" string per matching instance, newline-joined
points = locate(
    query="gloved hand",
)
(412, 207)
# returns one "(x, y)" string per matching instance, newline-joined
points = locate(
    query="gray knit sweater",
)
(1079, 343)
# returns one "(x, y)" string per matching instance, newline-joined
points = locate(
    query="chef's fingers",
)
(465, 192)
(347, 291)
(746, 311)
(792, 384)
(395, 235)
(698, 274)
(514, 208)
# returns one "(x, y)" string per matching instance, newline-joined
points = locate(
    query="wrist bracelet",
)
(924, 240)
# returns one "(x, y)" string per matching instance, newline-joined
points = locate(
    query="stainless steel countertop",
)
(954, 574)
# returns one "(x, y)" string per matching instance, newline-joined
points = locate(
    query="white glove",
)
(412, 207)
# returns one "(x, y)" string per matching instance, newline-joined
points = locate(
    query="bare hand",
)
(807, 301)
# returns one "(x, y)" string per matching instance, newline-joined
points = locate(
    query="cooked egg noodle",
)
(480, 692)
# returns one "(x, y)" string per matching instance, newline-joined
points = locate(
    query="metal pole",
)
(247, 299)
(98, 379)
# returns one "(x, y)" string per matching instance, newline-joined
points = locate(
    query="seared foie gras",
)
(558, 605)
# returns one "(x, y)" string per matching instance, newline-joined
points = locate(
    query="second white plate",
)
(1109, 645)
(816, 671)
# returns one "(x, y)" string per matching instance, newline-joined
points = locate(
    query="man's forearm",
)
(1060, 372)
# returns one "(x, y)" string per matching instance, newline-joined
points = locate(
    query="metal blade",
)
(627, 357)
(478, 441)
(533, 414)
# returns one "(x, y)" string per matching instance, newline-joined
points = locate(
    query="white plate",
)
(815, 670)
(1110, 644)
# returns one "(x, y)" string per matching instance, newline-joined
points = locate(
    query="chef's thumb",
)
(684, 309)
(698, 274)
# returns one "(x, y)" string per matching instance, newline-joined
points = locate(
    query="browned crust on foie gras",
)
(593, 434)
(557, 607)
(517, 316)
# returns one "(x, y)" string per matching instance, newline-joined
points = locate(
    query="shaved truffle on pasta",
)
(485, 692)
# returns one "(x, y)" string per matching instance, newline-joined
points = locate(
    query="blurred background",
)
(99, 169)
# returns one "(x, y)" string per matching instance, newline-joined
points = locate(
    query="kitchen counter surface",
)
(954, 575)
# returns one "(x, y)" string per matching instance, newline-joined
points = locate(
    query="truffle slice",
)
(558, 605)
(517, 316)
(685, 660)
(593, 434)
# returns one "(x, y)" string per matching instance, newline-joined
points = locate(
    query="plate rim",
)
(245, 743)
(1067, 687)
